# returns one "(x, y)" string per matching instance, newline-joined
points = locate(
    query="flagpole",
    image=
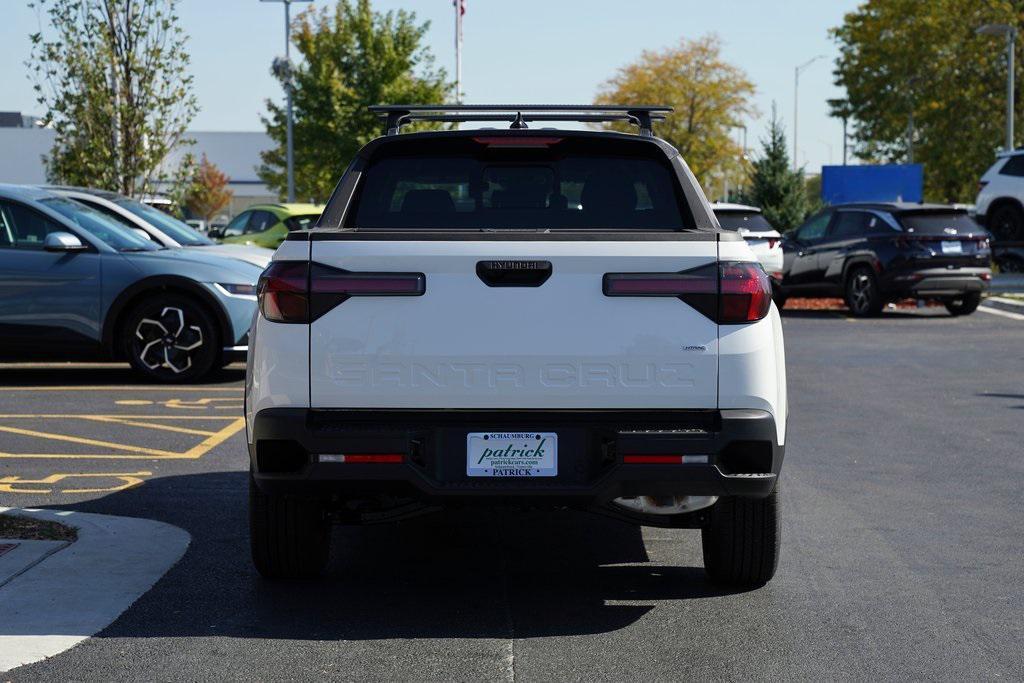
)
(458, 51)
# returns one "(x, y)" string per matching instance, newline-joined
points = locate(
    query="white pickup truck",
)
(517, 317)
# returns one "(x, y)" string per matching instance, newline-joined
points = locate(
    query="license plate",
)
(952, 247)
(511, 454)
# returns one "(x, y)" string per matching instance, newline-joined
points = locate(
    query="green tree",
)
(112, 76)
(208, 193)
(711, 97)
(352, 57)
(774, 186)
(921, 85)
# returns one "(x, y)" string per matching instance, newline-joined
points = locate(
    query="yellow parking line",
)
(147, 425)
(124, 388)
(215, 440)
(86, 442)
(63, 416)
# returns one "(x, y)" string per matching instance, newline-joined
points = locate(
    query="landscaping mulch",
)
(29, 529)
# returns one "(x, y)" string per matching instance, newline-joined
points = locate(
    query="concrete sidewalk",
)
(73, 592)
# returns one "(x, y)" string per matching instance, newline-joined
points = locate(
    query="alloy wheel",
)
(168, 341)
(861, 292)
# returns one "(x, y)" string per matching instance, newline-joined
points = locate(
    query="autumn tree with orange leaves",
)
(209, 193)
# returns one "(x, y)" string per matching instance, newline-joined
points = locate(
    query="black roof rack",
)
(397, 115)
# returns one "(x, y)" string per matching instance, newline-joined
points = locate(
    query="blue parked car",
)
(74, 284)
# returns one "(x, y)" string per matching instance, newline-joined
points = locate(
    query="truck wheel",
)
(290, 537)
(964, 306)
(170, 338)
(863, 296)
(741, 541)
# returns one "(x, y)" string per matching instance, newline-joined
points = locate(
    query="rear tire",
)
(862, 294)
(290, 537)
(965, 306)
(741, 541)
(1006, 222)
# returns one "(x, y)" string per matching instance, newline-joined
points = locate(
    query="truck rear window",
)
(525, 189)
(748, 220)
(938, 222)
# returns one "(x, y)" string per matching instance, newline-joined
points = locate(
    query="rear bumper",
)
(743, 454)
(941, 282)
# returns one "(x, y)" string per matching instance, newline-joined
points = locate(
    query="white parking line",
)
(1005, 314)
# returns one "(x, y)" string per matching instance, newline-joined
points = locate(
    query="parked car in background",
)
(764, 240)
(874, 253)
(266, 225)
(75, 284)
(162, 228)
(1000, 208)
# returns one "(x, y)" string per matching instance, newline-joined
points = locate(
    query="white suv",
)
(517, 317)
(1000, 208)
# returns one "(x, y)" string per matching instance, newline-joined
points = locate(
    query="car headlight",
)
(238, 290)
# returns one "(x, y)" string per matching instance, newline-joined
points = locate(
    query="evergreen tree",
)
(778, 190)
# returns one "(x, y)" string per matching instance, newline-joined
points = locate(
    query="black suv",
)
(871, 254)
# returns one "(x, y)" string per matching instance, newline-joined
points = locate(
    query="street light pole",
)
(796, 100)
(1011, 40)
(287, 71)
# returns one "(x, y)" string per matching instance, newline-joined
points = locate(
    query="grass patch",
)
(31, 529)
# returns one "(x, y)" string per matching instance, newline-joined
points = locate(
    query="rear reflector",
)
(300, 292)
(642, 459)
(362, 458)
(728, 292)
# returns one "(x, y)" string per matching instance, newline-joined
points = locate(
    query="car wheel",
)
(171, 338)
(741, 541)
(1011, 264)
(290, 537)
(862, 293)
(1006, 223)
(964, 305)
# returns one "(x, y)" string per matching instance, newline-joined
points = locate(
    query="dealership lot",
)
(901, 551)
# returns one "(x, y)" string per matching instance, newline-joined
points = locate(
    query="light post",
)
(796, 99)
(1011, 38)
(284, 71)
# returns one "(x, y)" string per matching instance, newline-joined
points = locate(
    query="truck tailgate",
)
(465, 344)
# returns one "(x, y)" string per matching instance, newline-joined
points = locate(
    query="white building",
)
(237, 154)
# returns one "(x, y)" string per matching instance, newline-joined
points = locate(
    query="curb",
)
(73, 594)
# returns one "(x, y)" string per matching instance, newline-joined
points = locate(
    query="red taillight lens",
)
(283, 292)
(746, 293)
(300, 292)
(697, 281)
(729, 292)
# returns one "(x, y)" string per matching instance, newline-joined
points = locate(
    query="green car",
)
(265, 225)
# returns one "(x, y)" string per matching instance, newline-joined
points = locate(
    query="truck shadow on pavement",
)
(460, 574)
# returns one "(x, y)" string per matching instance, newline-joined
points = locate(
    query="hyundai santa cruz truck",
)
(517, 317)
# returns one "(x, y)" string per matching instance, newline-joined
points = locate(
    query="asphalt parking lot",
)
(901, 550)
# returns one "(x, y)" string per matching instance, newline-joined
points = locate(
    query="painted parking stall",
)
(84, 440)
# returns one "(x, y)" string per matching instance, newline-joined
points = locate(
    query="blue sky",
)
(514, 51)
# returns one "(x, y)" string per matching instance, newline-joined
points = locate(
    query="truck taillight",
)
(728, 292)
(746, 292)
(283, 292)
(300, 292)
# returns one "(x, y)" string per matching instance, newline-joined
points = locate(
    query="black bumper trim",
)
(591, 445)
